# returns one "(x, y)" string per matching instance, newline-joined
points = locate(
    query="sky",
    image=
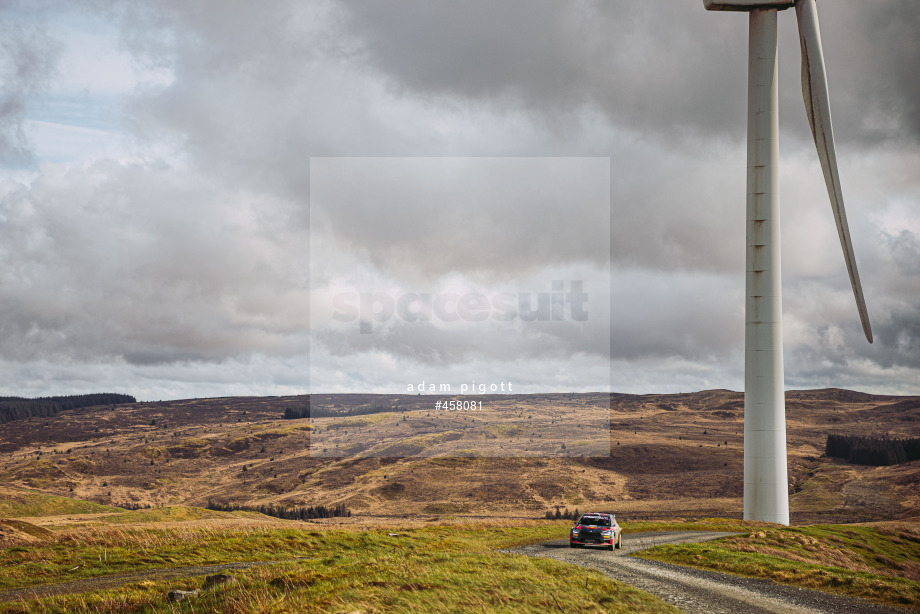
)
(196, 197)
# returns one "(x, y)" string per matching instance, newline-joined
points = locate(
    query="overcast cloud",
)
(155, 221)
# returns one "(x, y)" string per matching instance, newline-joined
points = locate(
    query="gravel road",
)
(693, 590)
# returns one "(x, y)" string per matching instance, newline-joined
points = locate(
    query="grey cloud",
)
(671, 82)
(899, 339)
(826, 305)
(675, 74)
(875, 69)
(667, 69)
(652, 67)
(106, 261)
(905, 253)
(426, 344)
(190, 271)
(896, 311)
(695, 317)
(257, 89)
(495, 216)
(666, 73)
(28, 58)
(837, 358)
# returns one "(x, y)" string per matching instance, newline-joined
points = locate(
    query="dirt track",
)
(699, 591)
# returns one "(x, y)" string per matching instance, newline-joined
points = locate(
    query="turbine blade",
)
(817, 107)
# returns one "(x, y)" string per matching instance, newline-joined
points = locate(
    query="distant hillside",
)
(665, 455)
(17, 408)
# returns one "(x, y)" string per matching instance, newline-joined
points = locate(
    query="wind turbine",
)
(766, 495)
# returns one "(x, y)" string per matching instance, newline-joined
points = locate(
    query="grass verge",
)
(882, 565)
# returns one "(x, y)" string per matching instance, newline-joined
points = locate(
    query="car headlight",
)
(605, 533)
(575, 532)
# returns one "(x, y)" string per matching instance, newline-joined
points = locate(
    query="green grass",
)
(177, 513)
(437, 569)
(417, 582)
(817, 493)
(21, 502)
(878, 564)
(356, 422)
(132, 549)
(706, 524)
(282, 430)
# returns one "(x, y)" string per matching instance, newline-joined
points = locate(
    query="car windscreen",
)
(597, 521)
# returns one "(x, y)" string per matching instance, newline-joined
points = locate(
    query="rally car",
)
(596, 530)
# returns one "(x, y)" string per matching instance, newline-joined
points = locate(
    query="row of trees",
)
(560, 515)
(295, 413)
(872, 450)
(287, 513)
(18, 408)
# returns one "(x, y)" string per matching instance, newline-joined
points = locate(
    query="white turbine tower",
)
(766, 495)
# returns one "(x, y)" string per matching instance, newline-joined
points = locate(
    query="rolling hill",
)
(663, 456)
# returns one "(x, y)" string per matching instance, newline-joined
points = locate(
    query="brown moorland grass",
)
(669, 455)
